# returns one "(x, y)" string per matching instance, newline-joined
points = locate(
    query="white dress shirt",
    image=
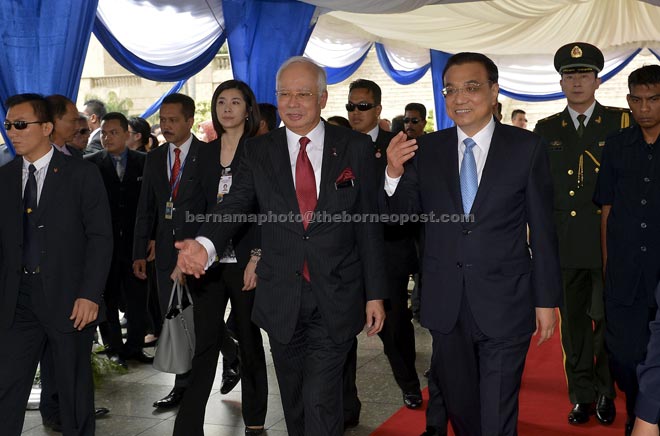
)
(374, 133)
(41, 165)
(574, 114)
(482, 138)
(314, 152)
(185, 148)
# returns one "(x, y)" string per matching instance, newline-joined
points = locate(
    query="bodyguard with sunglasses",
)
(414, 120)
(55, 239)
(398, 334)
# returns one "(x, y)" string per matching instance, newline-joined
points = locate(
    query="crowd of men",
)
(567, 217)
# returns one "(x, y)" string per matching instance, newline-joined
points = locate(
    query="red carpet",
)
(544, 403)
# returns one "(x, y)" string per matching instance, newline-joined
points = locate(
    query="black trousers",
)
(122, 285)
(626, 337)
(309, 373)
(583, 336)
(479, 377)
(154, 317)
(21, 347)
(219, 284)
(398, 337)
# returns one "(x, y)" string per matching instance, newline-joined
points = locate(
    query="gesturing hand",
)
(399, 152)
(192, 257)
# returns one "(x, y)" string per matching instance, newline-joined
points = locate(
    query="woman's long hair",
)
(251, 107)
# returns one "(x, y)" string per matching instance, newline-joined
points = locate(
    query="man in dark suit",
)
(171, 190)
(628, 190)
(484, 294)
(65, 118)
(398, 334)
(317, 278)
(121, 169)
(55, 240)
(94, 110)
(576, 137)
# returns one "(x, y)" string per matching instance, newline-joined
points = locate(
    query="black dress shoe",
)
(230, 377)
(605, 410)
(171, 400)
(116, 358)
(432, 431)
(580, 413)
(253, 431)
(101, 411)
(412, 400)
(630, 423)
(53, 424)
(140, 356)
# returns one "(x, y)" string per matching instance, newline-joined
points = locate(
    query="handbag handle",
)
(178, 288)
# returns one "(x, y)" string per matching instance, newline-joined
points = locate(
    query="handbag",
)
(176, 344)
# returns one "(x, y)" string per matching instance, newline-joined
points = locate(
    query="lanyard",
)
(174, 185)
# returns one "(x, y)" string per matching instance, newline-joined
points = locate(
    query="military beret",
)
(579, 57)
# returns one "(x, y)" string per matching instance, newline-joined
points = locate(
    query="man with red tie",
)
(318, 278)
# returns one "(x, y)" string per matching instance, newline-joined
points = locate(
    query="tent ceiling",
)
(496, 27)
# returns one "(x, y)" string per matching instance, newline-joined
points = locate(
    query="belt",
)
(36, 270)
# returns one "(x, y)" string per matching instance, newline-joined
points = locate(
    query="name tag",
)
(169, 210)
(224, 186)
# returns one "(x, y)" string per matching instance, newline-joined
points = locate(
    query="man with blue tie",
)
(484, 294)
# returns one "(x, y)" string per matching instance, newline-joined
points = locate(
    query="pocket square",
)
(345, 179)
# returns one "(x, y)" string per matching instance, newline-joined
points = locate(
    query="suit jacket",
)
(123, 196)
(95, 144)
(155, 193)
(400, 251)
(576, 216)
(246, 237)
(487, 260)
(344, 259)
(74, 234)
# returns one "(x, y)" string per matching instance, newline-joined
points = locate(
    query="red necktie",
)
(305, 190)
(175, 173)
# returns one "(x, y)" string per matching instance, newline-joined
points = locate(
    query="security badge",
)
(169, 209)
(224, 185)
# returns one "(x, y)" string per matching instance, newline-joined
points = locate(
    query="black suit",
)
(398, 334)
(150, 218)
(72, 223)
(311, 325)
(94, 143)
(481, 286)
(122, 284)
(221, 283)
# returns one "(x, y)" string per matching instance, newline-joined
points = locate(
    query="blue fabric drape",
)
(336, 75)
(154, 107)
(44, 44)
(261, 35)
(400, 77)
(557, 95)
(151, 71)
(655, 53)
(438, 61)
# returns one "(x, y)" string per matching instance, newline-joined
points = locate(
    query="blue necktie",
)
(469, 182)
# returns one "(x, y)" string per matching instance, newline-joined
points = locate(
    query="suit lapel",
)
(495, 160)
(334, 148)
(51, 184)
(449, 160)
(279, 156)
(189, 169)
(15, 190)
(108, 166)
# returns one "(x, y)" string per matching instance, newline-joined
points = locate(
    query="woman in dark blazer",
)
(235, 116)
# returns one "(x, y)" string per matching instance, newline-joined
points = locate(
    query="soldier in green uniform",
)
(575, 139)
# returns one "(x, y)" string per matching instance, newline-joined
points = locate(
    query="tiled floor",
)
(129, 397)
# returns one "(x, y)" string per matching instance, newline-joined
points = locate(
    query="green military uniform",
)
(575, 163)
(575, 154)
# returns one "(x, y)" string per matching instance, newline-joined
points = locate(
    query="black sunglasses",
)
(83, 131)
(362, 107)
(20, 125)
(411, 120)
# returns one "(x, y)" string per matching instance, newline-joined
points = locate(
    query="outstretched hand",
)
(192, 257)
(400, 151)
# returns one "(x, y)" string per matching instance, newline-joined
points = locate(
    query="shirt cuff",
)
(210, 250)
(391, 184)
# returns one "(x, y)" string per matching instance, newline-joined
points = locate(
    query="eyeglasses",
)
(83, 131)
(469, 89)
(297, 96)
(362, 107)
(411, 120)
(20, 125)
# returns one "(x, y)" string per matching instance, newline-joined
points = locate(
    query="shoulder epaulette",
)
(551, 117)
